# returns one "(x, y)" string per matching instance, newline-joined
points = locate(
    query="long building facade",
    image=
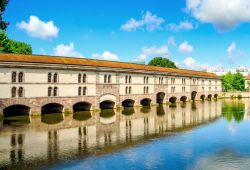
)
(35, 84)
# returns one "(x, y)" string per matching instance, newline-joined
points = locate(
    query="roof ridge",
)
(138, 66)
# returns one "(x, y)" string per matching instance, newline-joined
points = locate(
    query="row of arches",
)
(15, 110)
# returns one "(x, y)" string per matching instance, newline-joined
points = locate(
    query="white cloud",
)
(39, 29)
(154, 51)
(231, 49)
(185, 47)
(67, 50)
(182, 26)
(223, 14)
(171, 41)
(149, 22)
(106, 55)
(191, 63)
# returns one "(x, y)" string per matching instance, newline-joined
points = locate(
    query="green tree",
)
(3, 4)
(11, 46)
(227, 81)
(239, 82)
(162, 62)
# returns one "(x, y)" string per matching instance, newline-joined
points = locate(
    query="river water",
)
(201, 135)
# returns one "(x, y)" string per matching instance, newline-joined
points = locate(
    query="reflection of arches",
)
(52, 108)
(82, 115)
(216, 96)
(172, 99)
(17, 121)
(107, 116)
(81, 106)
(16, 110)
(193, 95)
(146, 102)
(107, 104)
(160, 97)
(193, 106)
(128, 103)
(52, 118)
(128, 111)
(145, 109)
(203, 97)
(209, 96)
(183, 99)
(160, 110)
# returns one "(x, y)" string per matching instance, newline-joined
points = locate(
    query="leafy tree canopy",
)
(231, 82)
(10, 46)
(3, 24)
(162, 62)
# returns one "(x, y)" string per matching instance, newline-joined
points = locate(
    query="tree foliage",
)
(231, 82)
(162, 62)
(3, 4)
(10, 46)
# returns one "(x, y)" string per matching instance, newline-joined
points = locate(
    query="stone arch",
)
(193, 95)
(52, 108)
(107, 101)
(183, 99)
(172, 99)
(203, 97)
(128, 103)
(16, 110)
(160, 97)
(82, 106)
(209, 97)
(146, 102)
(216, 96)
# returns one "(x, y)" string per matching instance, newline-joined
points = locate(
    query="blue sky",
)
(196, 34)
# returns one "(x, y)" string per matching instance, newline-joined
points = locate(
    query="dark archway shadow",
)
(128, 103)
(107, 104)
(16, 110)
(209, 97)
(81, 106)
(183, 99)
(146, 102)
(160, 97)
(172, 99)
(52, 108)
(203, 97)
(193, 95)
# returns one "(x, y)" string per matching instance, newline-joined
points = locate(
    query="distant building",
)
(219, 72)
(247, 82)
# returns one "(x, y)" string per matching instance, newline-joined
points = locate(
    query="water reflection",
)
(17, 120)
(52, 118)
(55, 138)
(233, 110)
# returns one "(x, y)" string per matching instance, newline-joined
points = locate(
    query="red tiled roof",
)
(96, 63)
(247, 77)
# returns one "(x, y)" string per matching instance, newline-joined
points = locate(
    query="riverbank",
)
(235, 95)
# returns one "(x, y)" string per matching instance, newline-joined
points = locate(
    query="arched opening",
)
(146, 102)
(203, 97)
(160, 97)
(16, 110)
(209, 97)
(81, 106)
(216, 96)
(193, 95)
(128, 103)
(183, 99)
(52, 108)
(107, 104)
(172, 99)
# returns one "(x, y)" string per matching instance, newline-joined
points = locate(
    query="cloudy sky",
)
(196, 34)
